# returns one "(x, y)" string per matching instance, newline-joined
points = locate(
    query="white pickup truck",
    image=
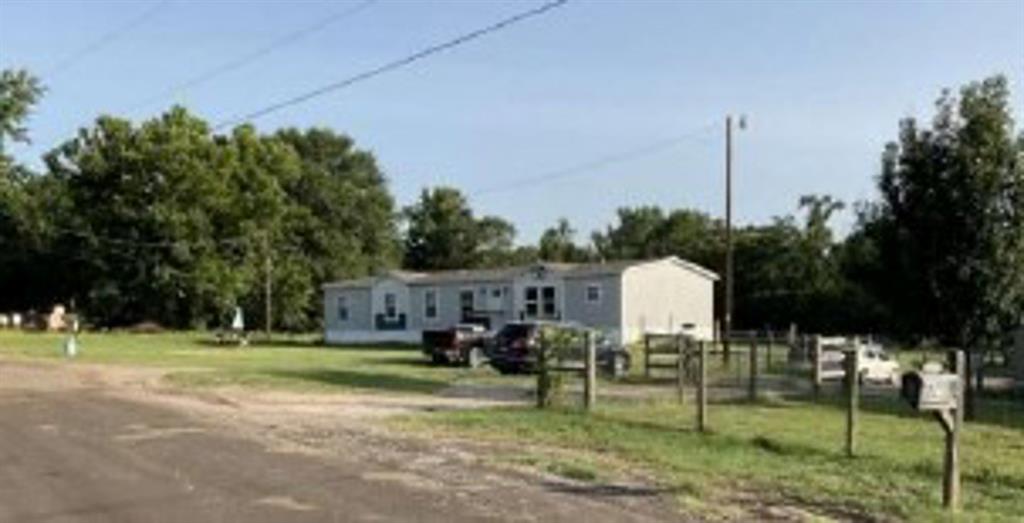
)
(875, 364)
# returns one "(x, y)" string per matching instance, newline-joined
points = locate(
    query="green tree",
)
(19, 92)
(768, 286)
(557, 244)
(20, 233)
(865, 279)
(634, 237)
(820, 280)
(443, 233)
(340, 223)
(785, 272)
(691, 235)
(167, 223)
(953, 217)
(495, 238)
(649, 232)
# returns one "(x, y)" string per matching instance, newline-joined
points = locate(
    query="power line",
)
(549, 176)
(594, 165)
(396, 64)
(248, 58)
(107, 38)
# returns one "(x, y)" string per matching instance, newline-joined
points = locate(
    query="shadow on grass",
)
(374, 347)
(647, 380)
(647, 426)
(301, 343)
(417, 360)
(363, 380)
(780, 401)
(214, 343)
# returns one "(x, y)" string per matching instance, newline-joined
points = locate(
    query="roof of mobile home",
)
(565, 270)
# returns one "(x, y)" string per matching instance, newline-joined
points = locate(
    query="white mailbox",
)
(927, 391)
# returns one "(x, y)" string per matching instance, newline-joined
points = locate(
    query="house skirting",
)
(349, 336)
(636, 334)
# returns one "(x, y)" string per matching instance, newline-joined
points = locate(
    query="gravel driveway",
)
(85, 443)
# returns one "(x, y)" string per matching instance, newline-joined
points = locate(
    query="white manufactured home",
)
(622, 299)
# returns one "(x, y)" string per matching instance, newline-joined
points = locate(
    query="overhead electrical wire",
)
(107, 38)
(577, 170)
(395, 64)
(250, 57)
(580, 169)
(104, 40)
(591, 166)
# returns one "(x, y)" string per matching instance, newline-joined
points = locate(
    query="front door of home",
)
(466, 305)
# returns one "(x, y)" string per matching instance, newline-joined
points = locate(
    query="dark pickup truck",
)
(459, 345)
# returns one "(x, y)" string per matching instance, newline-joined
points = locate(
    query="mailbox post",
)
(951, 476)
(942, 394)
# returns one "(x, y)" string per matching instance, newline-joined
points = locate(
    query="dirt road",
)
(106, 444)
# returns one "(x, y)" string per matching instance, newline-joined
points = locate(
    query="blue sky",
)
(823, 83)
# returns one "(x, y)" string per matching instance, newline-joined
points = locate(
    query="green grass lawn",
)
(295, 363)
(784, 451)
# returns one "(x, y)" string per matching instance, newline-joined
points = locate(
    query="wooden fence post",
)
(590, 377)
(738, 364)
(647, 355)
(543, 374)
(752, 380)
(853, 398)
(768, 352)
(816, 361)
(680, 367)
(702, 392)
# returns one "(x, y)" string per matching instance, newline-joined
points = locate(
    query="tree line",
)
(167, 221)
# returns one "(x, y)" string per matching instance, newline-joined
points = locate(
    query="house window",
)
(530, 299)
(496, 292)
(593, 293)
(343, 308)
(430, 304)
(548, 301)
(390, 305)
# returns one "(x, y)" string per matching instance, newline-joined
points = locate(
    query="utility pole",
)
(267, 286)
(727, 319)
